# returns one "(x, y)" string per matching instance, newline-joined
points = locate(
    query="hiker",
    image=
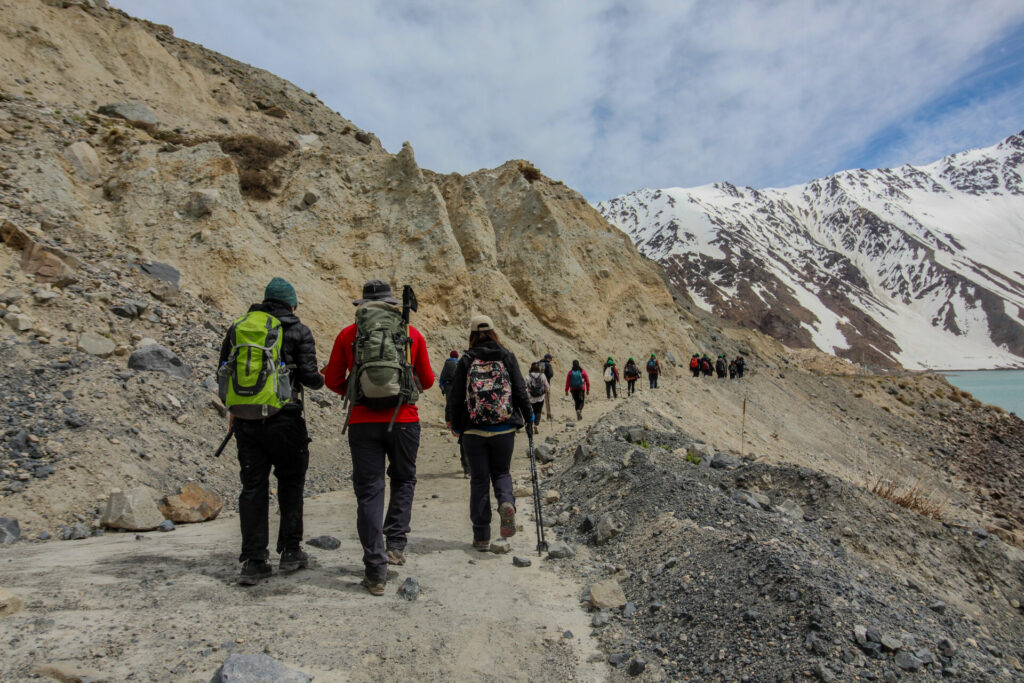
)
(705, 366)
(732, 369)
(720, 366)
(538, 388)
(631, 373)
(611, 378)
(549, 374)
(695, 364)
(279, 440)
(740, 366)
(444, 379)
(487, 403)
(383, 421)
(653, 370)
(579, 384)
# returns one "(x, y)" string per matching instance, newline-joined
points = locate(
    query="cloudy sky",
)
(611, 96)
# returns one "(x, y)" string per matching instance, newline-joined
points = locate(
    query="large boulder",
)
(158, 358)
(135, 112)
(84, 160)
(10, 530)
(134, 510)
(192, 504)
(607, 529)
(239, 668)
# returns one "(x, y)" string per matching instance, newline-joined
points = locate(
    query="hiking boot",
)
(579, 414)
(254, 571)
(396, 557)
(291, 560)
(507, 512)
(483, 546)
(374, 586)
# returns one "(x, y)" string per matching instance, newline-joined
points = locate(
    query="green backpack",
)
(253, 383)
(382, 377)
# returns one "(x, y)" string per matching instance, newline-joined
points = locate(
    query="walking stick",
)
(224, 443)
(743, 428)
(542, 545)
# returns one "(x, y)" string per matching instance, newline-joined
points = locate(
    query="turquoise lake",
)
(1003, 388)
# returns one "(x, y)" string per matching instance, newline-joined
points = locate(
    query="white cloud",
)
(611, 96)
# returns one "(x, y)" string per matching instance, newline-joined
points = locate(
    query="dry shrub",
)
(914, 497)
(529, 171)
(253, 156)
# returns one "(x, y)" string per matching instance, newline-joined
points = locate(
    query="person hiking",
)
(653, 370)
(732, 369)
(549, 374)
(383, 422)
(631, 373)
(487, 403)
(579, 384)
(444, 379)
(721, 366)
(279, 441)
(705, 366)
(695, 364)
(740, 366)
(538, 388)
(611, 378)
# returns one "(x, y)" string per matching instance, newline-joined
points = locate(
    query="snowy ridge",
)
(918, 266)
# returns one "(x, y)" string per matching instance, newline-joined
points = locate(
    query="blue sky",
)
(611, 96)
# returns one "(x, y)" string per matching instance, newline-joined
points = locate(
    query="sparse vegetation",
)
(913, 497)
(692, 457)
(529, 171)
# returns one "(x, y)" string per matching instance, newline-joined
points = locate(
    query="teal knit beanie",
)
(280, 289)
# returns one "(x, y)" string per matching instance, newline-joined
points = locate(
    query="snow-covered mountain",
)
(921, 266)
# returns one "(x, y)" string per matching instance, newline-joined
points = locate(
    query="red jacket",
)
(342, 362)
(586, 381)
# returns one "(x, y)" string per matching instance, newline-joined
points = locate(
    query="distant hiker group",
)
(702, 365)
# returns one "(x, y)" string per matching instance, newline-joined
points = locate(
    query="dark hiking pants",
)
(371, 444)
(611, 389)
(695, 371)
(578, 396)
(652, 377)
(538, 411)
(462, 457)
(489, 461)
(630, 386)
(282, 443)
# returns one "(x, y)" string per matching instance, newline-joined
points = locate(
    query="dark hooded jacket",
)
(455, 410)
(298, 350)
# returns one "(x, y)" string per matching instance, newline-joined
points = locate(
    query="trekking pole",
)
(743, 427)
(542, 545)
(224, 443)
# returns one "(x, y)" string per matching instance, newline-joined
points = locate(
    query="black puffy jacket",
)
(298, 350)
(455, 410)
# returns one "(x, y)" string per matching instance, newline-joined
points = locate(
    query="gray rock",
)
(544, 453)
(891, 644)
(135, 112)
(722, 461)
(134, 509)
(860, 634)
(166, 525)
(19, 322)
(947, 648)
(518, 561)
(582, 454)
(239, 668)
(979, 532)
(12, 295)
(907, 661)
(823, 673)
(938, 606)
(637, 666)
(635, 434)
(618, 659)
(125, 310)
(363, 137)
(84, 160)
(95, 345)
(600, 619)
(310, 198)
(324, 542)
(158, 358)
(10, 530)
(161, 271)
(44, 536)
(500, 547)
(791, 509)
(74, 533)
(628, 610)
(607, 529)
(410, 589)
(560, 550)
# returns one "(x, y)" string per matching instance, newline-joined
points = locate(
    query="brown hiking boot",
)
(373, 586)
(396, 557)
(482, 546)
(507, 512)
(579, 414)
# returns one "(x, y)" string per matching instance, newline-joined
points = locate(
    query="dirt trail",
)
(167, 607)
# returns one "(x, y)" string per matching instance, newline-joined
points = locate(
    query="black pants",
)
(611, 389)
(695, 371)
(538, 409)
(462, 457)
(282, 443)
(370, 444)
(578, 396)
(489, 461)
(652, 378)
